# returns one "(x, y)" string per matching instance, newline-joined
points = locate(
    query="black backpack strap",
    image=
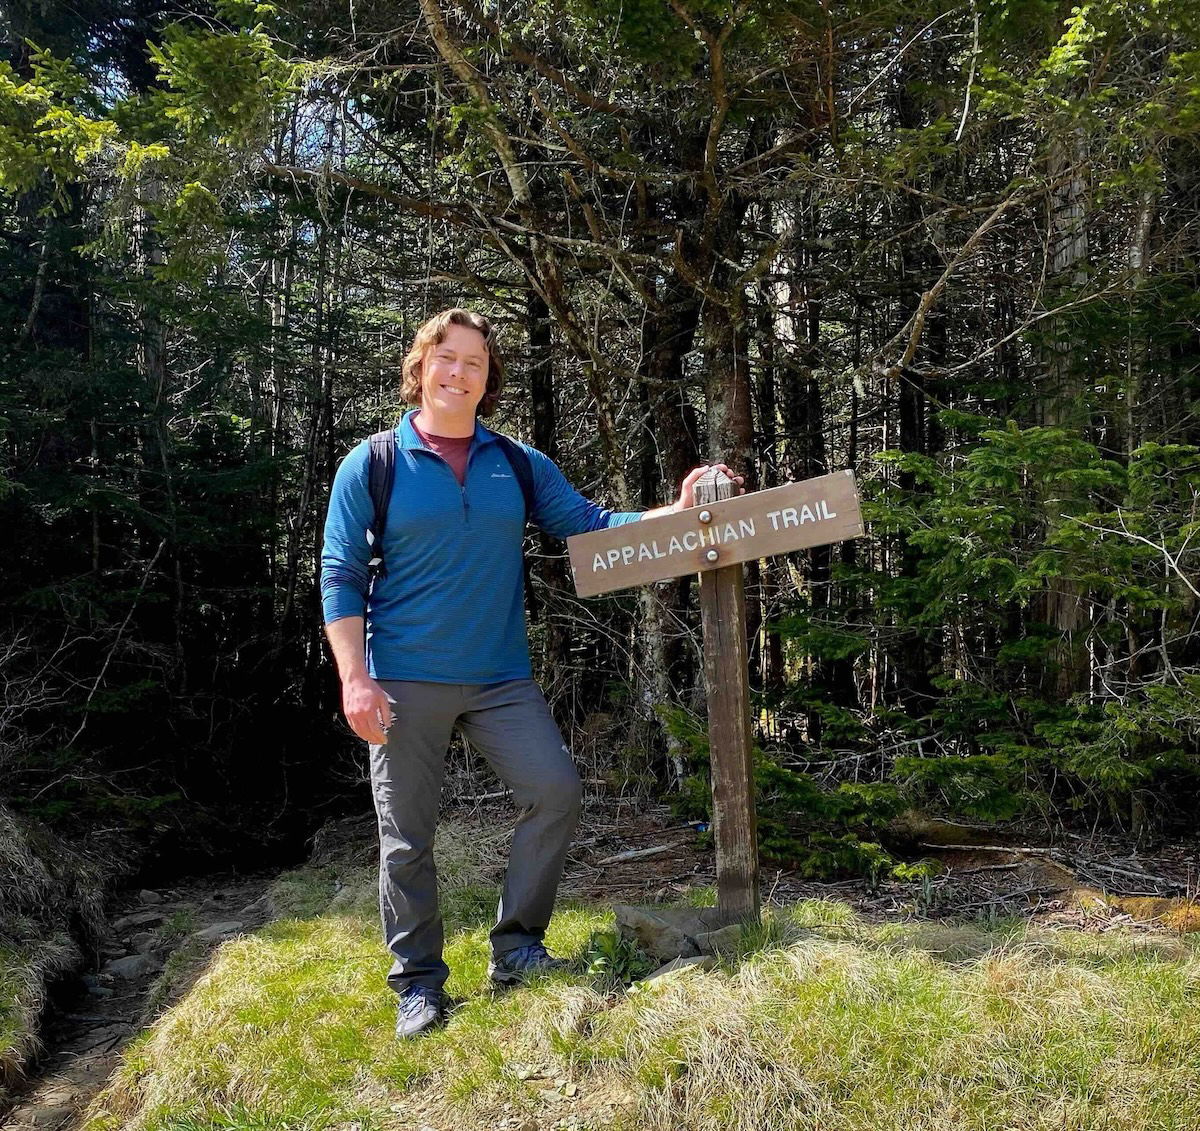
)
(518, 457)
(381, 475)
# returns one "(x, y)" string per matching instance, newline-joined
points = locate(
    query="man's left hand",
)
(687, 492)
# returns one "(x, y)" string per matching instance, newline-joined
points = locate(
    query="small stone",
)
(148, 897)
(99, 991)
(139, 919)
(220, 930)
(677, 966)
(144, 942)
(132, 966)
(261, 906)
(571, 1090)
(107, 1034)
(49, 1116)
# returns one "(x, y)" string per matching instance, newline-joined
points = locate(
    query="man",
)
(446, 645)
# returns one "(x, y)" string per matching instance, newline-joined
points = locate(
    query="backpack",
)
(381, 476)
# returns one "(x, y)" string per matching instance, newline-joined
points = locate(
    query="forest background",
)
(952, 246)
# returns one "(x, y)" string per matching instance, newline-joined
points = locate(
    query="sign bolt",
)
(712, 555)
(705, 516)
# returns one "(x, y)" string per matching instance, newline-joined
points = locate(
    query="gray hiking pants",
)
(511, 725)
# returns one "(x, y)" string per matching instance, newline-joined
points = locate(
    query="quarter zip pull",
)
(462, 487)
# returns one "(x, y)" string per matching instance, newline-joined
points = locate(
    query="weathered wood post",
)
(713, 538)
(731, 742)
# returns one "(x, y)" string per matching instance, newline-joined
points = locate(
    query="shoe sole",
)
(436, 1023)
(421, 1032)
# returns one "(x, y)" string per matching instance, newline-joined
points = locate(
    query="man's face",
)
(454, 372)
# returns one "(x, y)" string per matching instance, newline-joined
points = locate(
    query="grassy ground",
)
(16, 1025)
(44, 885)
(820, 1021)
(24, 970)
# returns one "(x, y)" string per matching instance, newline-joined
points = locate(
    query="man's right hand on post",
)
(367, 709)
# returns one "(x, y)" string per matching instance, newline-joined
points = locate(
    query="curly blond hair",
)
(432, 333)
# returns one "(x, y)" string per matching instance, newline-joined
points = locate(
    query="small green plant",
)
(922, 873)
(927, 897)
(179, 924)
(916, 869)
(612, 957)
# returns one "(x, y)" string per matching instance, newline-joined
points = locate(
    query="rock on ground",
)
(669, 932)
(132, 966)
(220, 930)
(677, 966)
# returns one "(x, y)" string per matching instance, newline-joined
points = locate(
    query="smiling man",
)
(437, 640)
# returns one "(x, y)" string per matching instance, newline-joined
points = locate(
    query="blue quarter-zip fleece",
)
(451, 608)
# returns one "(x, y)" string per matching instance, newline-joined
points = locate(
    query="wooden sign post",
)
(714, 538)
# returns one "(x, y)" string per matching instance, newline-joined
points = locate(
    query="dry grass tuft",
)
(43, 880)
(24, 974)
(46, 890)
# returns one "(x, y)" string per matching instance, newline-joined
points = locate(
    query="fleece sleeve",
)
(345, 553)
(560, 509)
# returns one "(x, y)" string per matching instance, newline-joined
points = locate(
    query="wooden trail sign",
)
(737, 529)
(713, 538)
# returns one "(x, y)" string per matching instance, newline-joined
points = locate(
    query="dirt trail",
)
(156, 942)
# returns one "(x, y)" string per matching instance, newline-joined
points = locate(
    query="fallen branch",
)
(636, 854)
(485, 796)
(1115, 889)
(1007, 897)
(990, 848)
(1132, 873)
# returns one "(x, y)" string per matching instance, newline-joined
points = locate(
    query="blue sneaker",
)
(419, 1009)
(514, 966)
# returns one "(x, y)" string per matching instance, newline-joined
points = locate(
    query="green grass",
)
(24, 970)
(819, 1021)
(49, 892)
(304, 891)
(15, 1027)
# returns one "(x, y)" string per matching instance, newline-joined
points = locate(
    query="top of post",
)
(713, 486)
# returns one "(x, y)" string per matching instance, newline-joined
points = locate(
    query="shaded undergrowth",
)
(51, 909)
